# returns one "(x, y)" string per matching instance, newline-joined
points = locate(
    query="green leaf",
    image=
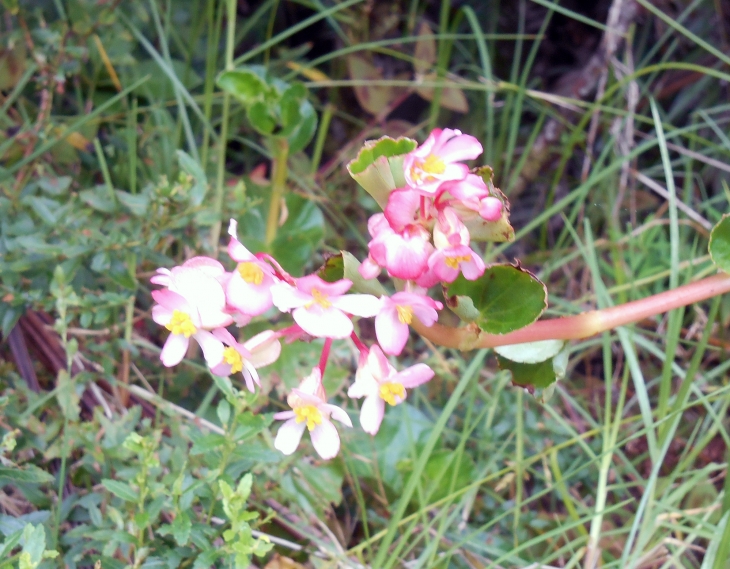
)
(67, 397)
(192, 168)
(530, 376)
(378, 167)
(300, 235)
(507, 298)
(305, 128)
(29, 474)
(121, 490)
(244, 84)
(10, 543)
(250, 425)
(344, 265)
(531, 352)
(207, 558)
(34, 538)
(224, 412)
(55, 186)
(720, 244)
(181, 527)
(100, 199)
(260, 118)
(137, 204)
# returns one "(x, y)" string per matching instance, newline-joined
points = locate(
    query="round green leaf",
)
(506, 297)
(244, 84)
(530, 376)
(720, 244)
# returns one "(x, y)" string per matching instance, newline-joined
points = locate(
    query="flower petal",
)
(174, 350)
(365, 305)
(323, 323)
(289, 435)
(371, 414)
(413, 376)
(337, 413)
(212, 347)
(392, 333)
(326, 440)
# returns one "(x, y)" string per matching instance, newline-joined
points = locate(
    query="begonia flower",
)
(453, 254)
(472, 193)
(379, 383)
(261, 350)
(249, 287)
(437, 160)
(310, 411)
(322, 308)
(404, 255)
(396, 314)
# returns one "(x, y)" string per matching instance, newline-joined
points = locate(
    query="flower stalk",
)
(581, 325)
(278, 183)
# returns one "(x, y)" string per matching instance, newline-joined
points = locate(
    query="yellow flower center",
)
(251, 273)
(453, 262)
(309, 414)
(405, 314)
(319, 298)
(233, 359)
(181, 324)
(389, 391)
(427, 168)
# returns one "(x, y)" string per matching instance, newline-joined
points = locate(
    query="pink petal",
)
(174, 350)
(161, 315)
(310, 282)
(368, 269)
(325, 439)
(402, 208)
(323, 323)
(391, 332)
(490, 208)
(473, 269)
(427, 315)
(407, 256)
(460, 147)
(371, 414)
(289, 435)
(413, 376)
(238, 252)
(284, 415)
(265, 348)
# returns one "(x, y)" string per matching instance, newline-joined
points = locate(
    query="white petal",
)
(212, 347)
(326, 440)
(289, 435)
(323, 323)
(392, 333)
(371, 414)
(365, 305)
(337, 413)
(174, 350)
(286, 297)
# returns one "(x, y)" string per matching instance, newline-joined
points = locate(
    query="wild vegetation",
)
(128, 141)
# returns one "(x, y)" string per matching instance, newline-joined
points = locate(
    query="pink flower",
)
(310, 410)
(453, 254)
(396, 313)
(249, 286)
(472, 193)
(437, 160)
(322, 308)
(183, 320)
(261, 350)
(378, 382)
(193, 304)
(404, 255)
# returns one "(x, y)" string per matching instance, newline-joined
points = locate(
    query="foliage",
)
(119, 155)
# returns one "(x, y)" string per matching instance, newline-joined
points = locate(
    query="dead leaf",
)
(281, 562)
(452, 98)
(425, 52)
(373, 98)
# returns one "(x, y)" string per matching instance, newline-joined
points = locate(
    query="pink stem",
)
(581, 325)
(325, 355)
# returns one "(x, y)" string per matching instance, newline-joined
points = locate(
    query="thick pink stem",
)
(581, 325)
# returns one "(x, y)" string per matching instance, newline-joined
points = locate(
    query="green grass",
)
(625, 466)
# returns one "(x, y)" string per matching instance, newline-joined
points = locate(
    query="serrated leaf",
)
(121, 490)
(531, 352)
(137, 204)
(207, 558)
(720, 244)
(507, 298)
(100, 199)
(181, 527)
(378, 167)
(34, 538)
(67, 397)
(250, 425)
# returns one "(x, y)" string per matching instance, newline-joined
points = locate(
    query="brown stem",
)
(581, 325)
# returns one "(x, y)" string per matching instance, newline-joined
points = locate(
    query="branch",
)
(581, 325)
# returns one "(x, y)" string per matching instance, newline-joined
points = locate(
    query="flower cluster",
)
(420, 238)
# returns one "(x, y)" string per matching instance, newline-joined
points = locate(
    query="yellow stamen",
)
(309, 414)
(405, 314)
(251, 273)
(181, 324)
(425, 169)
(319, 298)
(453, 262)
(389, 391)
(233, 358)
